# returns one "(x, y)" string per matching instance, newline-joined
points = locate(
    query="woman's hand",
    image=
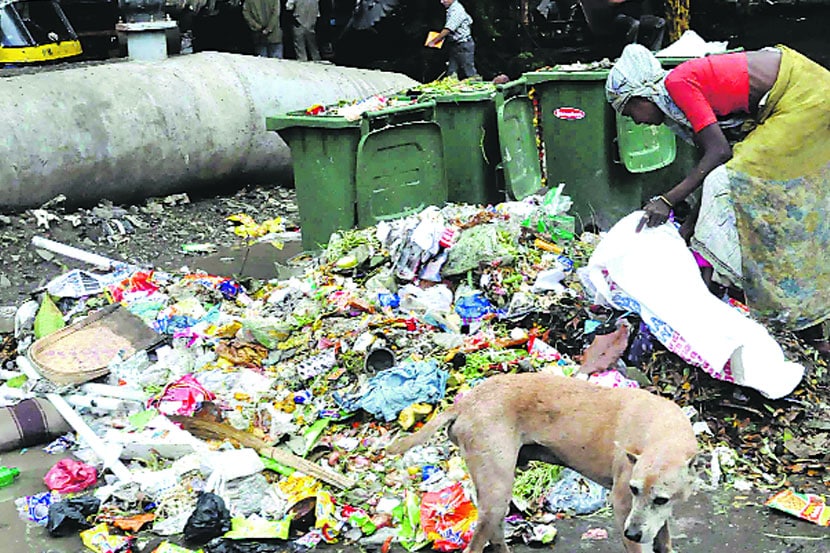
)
(657, 212)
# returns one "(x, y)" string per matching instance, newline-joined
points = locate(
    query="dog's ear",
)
(630, 455)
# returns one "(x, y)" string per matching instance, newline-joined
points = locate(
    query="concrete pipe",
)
(131, 130)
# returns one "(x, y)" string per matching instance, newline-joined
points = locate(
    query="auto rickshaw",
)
(34, 32)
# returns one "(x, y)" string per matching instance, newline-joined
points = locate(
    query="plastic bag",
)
(209, 520)
(68, 516)
(448, 518)
(575, 494)
(69, 475)
(49, 318)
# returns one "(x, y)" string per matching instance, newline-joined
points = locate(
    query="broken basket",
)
(82, 351)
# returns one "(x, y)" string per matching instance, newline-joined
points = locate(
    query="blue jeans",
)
(269, 50)
(462, 59)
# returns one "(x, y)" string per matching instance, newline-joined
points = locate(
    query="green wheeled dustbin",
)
(356, 173)
(609, 165)
(323, 157)
(471, 146)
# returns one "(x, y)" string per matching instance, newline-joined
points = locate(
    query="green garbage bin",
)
(471, 151)
(609, 165)
(323, 157)
(357, 173)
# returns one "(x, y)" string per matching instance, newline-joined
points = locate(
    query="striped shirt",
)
(458, 22)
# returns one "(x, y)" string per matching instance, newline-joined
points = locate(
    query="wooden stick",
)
(206, 429)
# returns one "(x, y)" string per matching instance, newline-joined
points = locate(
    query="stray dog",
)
(639, 445)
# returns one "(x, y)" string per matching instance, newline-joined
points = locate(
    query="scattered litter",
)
(244, 413)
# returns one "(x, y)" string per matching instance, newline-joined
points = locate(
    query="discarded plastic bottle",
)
(7, 475)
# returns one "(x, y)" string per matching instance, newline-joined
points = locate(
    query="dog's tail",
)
(432, 426)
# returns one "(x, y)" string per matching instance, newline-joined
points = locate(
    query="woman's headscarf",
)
(638, 73)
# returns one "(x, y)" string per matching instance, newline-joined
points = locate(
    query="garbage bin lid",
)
(644, 148)
(288, 120)
(537, 77)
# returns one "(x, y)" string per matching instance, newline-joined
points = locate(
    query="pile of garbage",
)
(230, 416)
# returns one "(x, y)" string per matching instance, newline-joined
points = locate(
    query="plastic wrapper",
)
(256, 527)
(325, 517)
(69, 475)
(134, 523)
(806, 506)
(99, 540)
(298, 487)
(448, 518)
(358, 518)
(210, 519)
(67, 517)
(575, 494)
(35, 508)
(140, 282)
(407, 517)
(182, 397)
(550, 217)
(48, 319)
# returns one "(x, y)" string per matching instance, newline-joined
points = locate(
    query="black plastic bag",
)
(223, 545)
(68, 516)
(210, 519)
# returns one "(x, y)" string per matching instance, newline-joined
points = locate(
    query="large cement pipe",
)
(130, 130)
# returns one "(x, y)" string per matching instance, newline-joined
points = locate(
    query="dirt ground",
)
(150, 234)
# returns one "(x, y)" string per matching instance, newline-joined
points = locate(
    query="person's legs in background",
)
(262, 50)
(466, 59)
(311, 44)
(626, 27)
(274, 50)
(452, 59)
(299, 43)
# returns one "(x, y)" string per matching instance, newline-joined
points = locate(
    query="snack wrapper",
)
(448, 517)
(806, 506)
(99, 539)
(325, 517)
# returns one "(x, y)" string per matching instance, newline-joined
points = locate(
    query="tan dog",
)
(639, 445)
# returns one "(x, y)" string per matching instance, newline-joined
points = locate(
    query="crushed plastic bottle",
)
(7, 475)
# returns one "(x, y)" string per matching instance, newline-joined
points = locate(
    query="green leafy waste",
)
(531, 484)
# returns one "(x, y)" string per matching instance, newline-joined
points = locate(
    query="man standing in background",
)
(306, 13)
(263, 17)
(460, 45)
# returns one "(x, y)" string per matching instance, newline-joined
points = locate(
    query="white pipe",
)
(108, 455)
(8, 375)
(121, 392)
(98, 402)
(27, 368)
(74, 253)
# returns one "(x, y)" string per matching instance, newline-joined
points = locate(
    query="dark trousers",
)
(462, 59)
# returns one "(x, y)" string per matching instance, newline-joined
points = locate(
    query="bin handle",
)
(513, 88)
(615, 152)
(405, 213)
(399, 114)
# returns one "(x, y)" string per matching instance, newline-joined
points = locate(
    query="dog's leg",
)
(491, 460)
(662, 543)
